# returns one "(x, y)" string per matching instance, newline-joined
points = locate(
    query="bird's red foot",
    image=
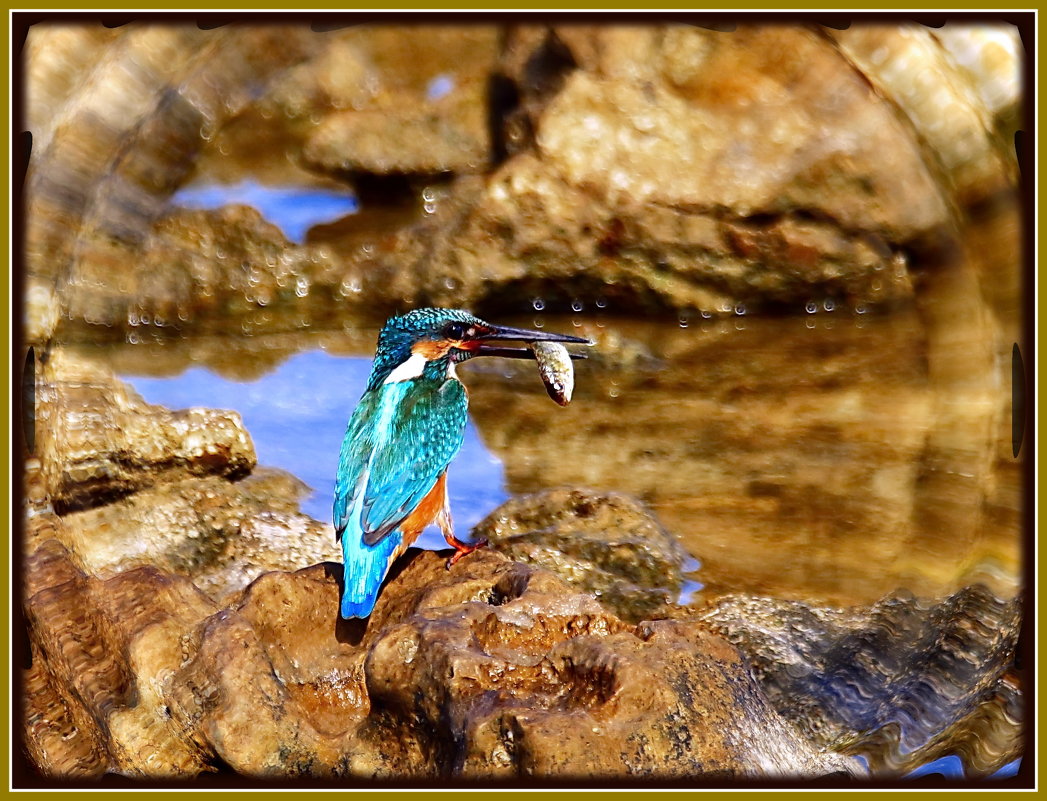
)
(463, 548)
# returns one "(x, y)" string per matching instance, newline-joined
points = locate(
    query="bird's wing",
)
(415, 429)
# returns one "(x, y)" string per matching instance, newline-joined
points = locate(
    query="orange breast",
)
(425, 512)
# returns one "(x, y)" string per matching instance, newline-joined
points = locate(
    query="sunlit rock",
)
(488, 670)
(956, 123)
(604, 544)
(97, 440)
(219, 534)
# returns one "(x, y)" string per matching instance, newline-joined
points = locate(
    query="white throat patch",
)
(412, 368)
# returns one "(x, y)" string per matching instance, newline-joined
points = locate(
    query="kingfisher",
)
(405, 431)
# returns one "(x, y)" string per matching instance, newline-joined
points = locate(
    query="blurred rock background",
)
(720, 181)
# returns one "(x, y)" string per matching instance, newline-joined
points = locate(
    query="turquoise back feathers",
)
(407, 428)
(400, 440)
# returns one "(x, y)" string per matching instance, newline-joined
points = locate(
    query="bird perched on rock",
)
(408, 426)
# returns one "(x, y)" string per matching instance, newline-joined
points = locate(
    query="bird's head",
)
(432, 340)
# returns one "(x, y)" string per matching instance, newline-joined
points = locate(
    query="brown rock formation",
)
(489, 670)
(97, 440)
(605, 544)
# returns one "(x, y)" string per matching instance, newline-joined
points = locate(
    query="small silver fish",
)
(556, 370)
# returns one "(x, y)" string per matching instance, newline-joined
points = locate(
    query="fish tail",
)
(365, 569)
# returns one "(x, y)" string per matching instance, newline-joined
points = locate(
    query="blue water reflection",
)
(297, 416)
(293, 209)
(951, 767)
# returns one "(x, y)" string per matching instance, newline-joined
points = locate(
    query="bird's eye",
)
(454, 331)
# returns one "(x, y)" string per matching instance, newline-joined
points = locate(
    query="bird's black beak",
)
(496, 333)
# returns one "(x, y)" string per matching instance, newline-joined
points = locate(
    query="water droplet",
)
(809, 323)
(860, 308)
(612, 393)
(428, 195)
(601, 303)
(739, 309)
(429, 208)
(538, 323)
(706, 314)
(829, 304)
(451, 283)
(538, 304)
(576, 323)
(683, 321)
(811, 307)
(576, 305)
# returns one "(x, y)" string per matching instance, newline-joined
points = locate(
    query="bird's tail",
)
(365, 568)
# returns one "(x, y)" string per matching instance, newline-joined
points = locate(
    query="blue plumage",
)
(405, 431)
(400, 440)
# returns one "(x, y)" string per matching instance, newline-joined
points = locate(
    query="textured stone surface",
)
(656, 178)
(218, 266)
(605, 544)
(903, 682)
(219, 534)
(395, 99)
(97, 440)
(102, 652)
(488, 670)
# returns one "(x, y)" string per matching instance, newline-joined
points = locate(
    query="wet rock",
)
(97, 440)
(200, 270)
(683, 168)
(102, 652)
(902, 683)
(605, 544)
(488, 670)
(633, 185)
(221, 535)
